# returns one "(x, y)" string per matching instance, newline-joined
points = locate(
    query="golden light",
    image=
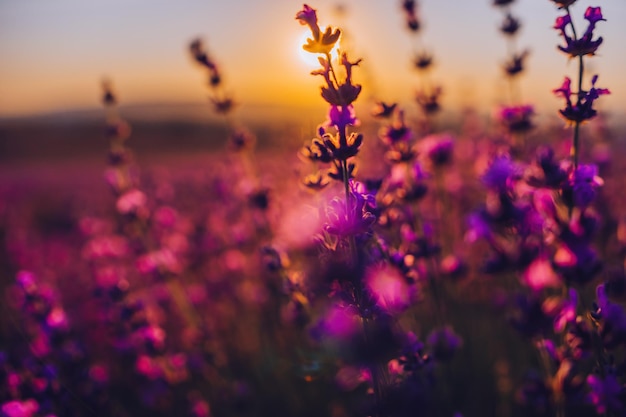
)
(311, 60)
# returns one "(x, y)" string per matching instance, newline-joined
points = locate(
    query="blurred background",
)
(54, 55)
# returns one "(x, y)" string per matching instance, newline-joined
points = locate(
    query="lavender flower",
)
(582, 110)
(321, 43)
(585, 45)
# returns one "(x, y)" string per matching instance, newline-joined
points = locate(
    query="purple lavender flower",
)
(580, 189)
(611, 319)
(510, 26)
(501, 174)
(356, 222)
(517, 119)
(583, 109)
(341, 116)
(585, 45)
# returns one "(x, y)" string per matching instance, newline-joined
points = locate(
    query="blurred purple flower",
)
(510, 26)
(341, 116)
(605, 393)
(517, 119)
(501, 174)
(443, 343)
(611, 319)
(437, 148)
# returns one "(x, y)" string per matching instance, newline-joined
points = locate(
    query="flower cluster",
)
(582, 110)
(584, 45)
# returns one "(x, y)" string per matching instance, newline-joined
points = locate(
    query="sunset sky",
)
(54, 53)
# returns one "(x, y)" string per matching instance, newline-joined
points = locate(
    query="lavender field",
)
(388, 259)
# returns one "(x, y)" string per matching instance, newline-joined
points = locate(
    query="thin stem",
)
(332, 70)
(576, 141)
(575, 153)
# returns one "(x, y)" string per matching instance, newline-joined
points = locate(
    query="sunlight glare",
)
(311, 60)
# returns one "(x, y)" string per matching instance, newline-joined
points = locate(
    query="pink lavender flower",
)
(611, 318)
(15, 408)
(341, 116)
(583, 184)
(501, 174)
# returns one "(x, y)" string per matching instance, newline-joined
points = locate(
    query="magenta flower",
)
(540, 275)
(593, 15)
(562, 22)
(341, 117)
(15, 408)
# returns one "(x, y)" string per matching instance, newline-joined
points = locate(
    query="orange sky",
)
(55, 53)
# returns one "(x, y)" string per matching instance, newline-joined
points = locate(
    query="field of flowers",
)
(391, 266)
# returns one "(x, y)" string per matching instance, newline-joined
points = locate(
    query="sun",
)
(311, 60)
